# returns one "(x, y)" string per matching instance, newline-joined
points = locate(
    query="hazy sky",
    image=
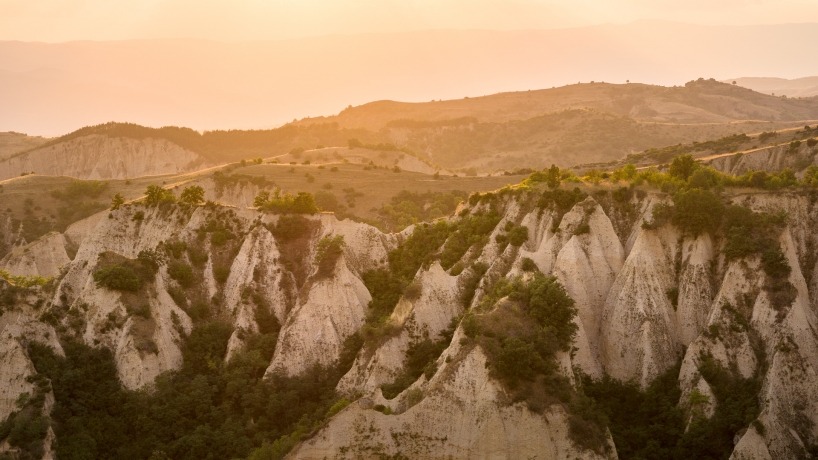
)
(62, 20)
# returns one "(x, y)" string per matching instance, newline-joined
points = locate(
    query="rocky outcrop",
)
(10, 234)
(76, 232)
(102, 157)
(639, 335)
(462, 413)
(44, 257)
(770, 159)
(646, 298)
(334, 308)
(425, 315)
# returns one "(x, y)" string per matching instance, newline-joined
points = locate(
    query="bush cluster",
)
(122, 274)
(302, 203)
(407, 208)
(156, 194)
(420, 360)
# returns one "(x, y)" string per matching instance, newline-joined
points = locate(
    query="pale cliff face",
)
(618, 273)
(102, 157)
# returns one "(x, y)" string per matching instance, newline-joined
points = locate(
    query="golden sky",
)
(234, 20)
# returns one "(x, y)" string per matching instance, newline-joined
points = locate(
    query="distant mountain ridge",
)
(796, 87)
(51, 89)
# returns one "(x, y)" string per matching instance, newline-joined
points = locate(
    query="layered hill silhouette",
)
(52, 89)
(567, 126)
(796, 87)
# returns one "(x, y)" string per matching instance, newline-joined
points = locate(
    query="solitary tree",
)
(682, 167)
(193, 195)
(155, 194)
(117, 201)
(553, 176)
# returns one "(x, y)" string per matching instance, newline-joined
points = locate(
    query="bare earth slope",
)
(102, 157)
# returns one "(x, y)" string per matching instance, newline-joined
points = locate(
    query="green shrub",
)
(327, 201)
(749, 232)
(518, 235)
(515, 355)
(221, 273)
(327, 252)
(118, 278)
(290, 227)
(143, 311)
(197, 257)
(200, 310)
(682, 167)
(193, 195)
(528, 265)
(385, 289)
(24, 281)
(420, 359)
(117, 201)
(774, 263)
(176, 248)
(182, 273)
(155, 195)
(407, 208)
(673, 296)
(471, 281)
(179, 297)
(220, 229)
(467, 232)
(696, 211)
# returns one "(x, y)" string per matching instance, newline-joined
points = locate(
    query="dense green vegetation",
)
(650, 424)
(685, 173)
(407, 208)
(694, 211)
(79, 190)
(26, 427)
(24, 281)
(209, 409)
(645, 425)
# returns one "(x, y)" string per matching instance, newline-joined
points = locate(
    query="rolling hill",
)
(567, 126)
(796, 87)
